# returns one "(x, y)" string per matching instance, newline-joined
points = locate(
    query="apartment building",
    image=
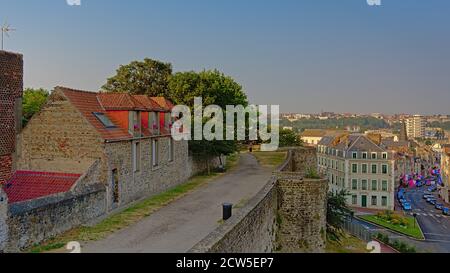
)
(445, 172)
(360, 165)
(415, 126)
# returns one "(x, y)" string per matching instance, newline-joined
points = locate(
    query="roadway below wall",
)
(179, 226)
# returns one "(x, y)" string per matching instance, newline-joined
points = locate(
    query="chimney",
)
(11, 91)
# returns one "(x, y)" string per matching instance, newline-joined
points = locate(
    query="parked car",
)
(403, 201)
(407, 206)
(432, 202)
(439, 206)
(432, 189)
(426, 196)
(446, 211)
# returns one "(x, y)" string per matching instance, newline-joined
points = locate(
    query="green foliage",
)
(147, 77)
(312, 174)
(398, 245)
(289, 138)
(365, 123)
(214, 88)
(337, 213)
(33, 100)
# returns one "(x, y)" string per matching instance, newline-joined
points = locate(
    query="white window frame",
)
(155, 153)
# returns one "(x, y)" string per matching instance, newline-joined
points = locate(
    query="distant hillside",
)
(366, 123)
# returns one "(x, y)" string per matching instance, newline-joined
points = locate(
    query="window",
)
(384, 201)
(364, 185)
(364, 155)
(364, 168)
(354, 168)
(384, 168)
(374, 185)
(385, 155)
(374, 201)
(104, 120)
(115, 185)
(384, 185)
(171, 149)
(155, 153)
(354, 155)
(136, 151)
(354, 184)
(153, 122)
(374, 155)
(134, 121)
(374, 169)
(354, 199)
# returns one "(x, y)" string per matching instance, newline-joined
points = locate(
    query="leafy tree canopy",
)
(147, 77)
(214, 88)
(33, 100)
(289, 138)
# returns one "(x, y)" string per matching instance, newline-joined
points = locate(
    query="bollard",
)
(227, 211)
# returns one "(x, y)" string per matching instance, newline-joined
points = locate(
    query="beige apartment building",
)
(415, 126)
(445, 172)
(360, 165)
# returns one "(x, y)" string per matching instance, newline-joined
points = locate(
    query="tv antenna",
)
(6, 29)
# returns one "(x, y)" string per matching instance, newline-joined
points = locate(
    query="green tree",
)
(33, 100)
(147, 77)
(289, 138)
(214, 88)
(337, 213)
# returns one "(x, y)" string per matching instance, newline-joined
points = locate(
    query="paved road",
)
(179, 226)
(435, 226)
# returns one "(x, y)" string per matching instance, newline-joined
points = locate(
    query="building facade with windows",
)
(127, 136)
(444, 191)
(415, 126)
(361, 166)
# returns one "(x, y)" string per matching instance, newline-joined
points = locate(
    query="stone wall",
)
(58, 139)
(302, 214)
(3, 219)
(288, 215)
(35, 221)
(148, 180)
(11, 90)
(252, 230)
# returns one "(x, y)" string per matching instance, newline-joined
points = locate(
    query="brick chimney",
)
(11, 91)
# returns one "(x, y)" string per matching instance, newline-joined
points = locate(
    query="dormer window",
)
(104, 120)
(153, 122)
(134, 122)
(364, 155)
(354, 155)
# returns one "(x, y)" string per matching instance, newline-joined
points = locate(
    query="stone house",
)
(129, 135)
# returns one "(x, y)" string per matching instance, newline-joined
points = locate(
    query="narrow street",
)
(179, 226)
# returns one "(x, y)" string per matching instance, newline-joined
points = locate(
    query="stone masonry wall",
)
(148, 180)
(288, 215)
(252, 230)
(301, 212)
(3, 219)
(58, 139)
(35, 221)
(11, 90)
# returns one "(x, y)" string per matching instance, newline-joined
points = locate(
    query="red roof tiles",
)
(89, 102)
(28, 185)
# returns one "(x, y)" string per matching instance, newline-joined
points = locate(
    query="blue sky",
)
(306, 55)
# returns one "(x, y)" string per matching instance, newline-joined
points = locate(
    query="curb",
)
(396, 232)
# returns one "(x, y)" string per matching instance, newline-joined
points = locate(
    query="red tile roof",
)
(87, 103)
(149, 103)
(166, 104)
(28, 185)
(120, 101)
